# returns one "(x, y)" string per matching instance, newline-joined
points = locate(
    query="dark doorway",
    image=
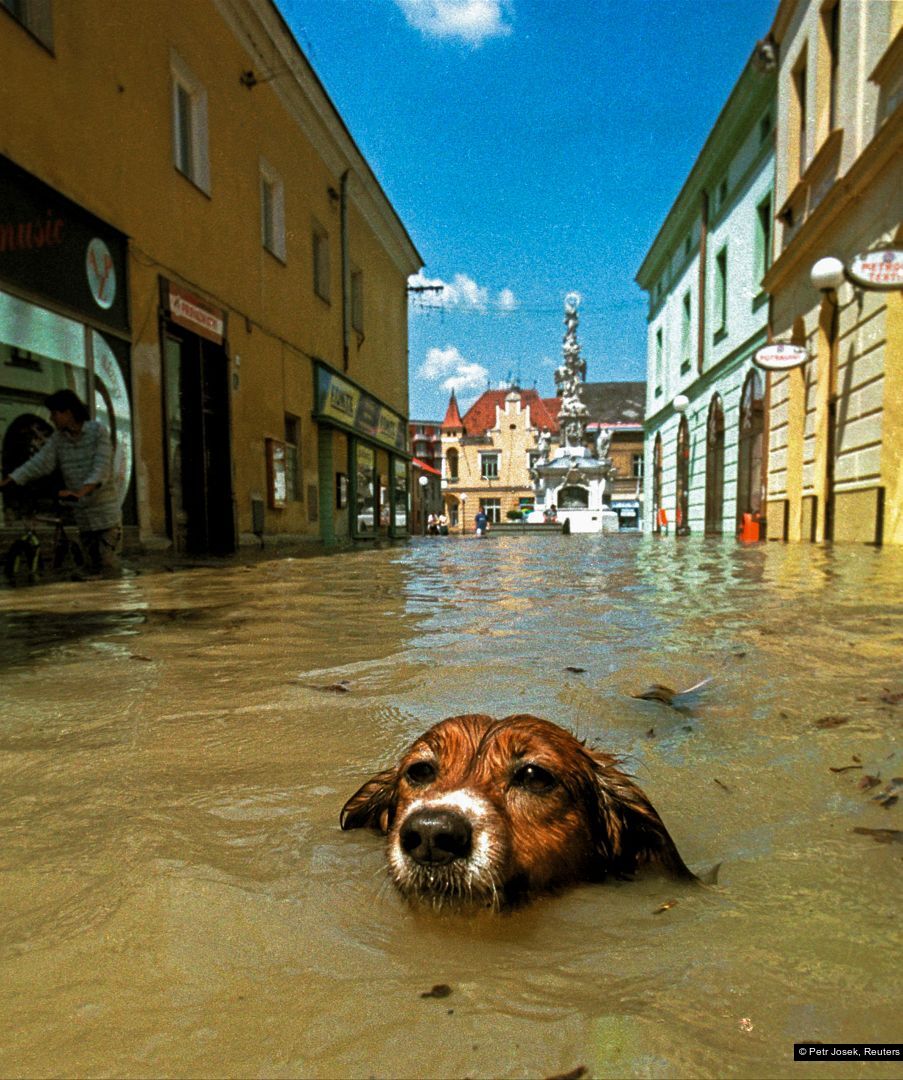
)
(682, 510)
(201, 517)
(750, 448)
(657, 517)
(714, 469)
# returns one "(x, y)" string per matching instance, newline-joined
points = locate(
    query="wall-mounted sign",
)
(193, 313)
(781, 356)
(880, 269)
(347, 405)
(58, 251)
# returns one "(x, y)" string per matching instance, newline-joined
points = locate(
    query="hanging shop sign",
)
(192, 313)
(350, 407)
(881, 269)
(55, 249)
(781, 356)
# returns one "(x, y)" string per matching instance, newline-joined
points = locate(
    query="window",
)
(763, 238)
(321, 262)
(189, 125)
(637, 468)
(800, 121)
(292, 458)
(722, 194)
(451, 466)
(659, 359)
(489, 466)
(688, 243)
(686, 316)
(764, 127)
(34, 15)
(720, 298)
(357, 301)
(831, 29)
(272, 211)
(492, 508)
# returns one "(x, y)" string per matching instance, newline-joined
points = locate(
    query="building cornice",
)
(879, 153)
(291, 77)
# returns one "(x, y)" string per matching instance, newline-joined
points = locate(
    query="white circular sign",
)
(882, 269)
(781, 356)
(101, 273)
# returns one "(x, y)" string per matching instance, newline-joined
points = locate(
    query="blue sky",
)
(532, 148)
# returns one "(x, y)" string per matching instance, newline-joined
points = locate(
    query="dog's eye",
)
(421, 772)
(534, 778)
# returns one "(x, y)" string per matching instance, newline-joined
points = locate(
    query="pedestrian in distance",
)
(482, 522)
(443, 524)
(83, 452)
(432, 525)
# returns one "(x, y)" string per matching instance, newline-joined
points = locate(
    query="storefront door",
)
(201, 515)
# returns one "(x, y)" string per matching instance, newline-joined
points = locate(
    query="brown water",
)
(178, 900)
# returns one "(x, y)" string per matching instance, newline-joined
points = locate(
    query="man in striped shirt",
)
(81, 449)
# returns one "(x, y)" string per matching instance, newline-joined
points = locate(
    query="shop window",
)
(400, 496)
(750, 447)
(272, 211)
(189, 124)
(292, 458)
(320, 241)
(714, 469)
(682, 508)
(489, 466)
(659, 520)
(357, 301)
(35, 15)
(365, 491)
(492, 508)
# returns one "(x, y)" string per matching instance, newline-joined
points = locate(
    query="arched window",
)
(451, 465)
(657, 484)
(714, 469)
(682, 508)
(750, 447)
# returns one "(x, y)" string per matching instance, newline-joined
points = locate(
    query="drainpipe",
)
(346, 270)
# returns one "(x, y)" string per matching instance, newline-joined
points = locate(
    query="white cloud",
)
(507, 301)
(472, 21)
(455, 372)
(462, 294)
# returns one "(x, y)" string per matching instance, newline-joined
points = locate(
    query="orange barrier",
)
(749, 529)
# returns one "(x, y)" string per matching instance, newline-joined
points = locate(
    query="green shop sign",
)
(348, 406)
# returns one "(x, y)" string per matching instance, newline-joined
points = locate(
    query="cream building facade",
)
(835, 437)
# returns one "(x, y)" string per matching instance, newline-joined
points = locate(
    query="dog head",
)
(485, 812)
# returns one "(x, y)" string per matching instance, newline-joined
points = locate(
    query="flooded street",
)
(178, 898)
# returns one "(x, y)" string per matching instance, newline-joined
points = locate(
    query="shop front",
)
(64, 324)
(364, 472)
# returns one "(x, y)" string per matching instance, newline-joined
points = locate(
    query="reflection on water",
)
(178, 898)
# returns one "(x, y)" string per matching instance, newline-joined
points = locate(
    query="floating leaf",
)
(868, 781)
(668, 904)
(575, 670)
(574, 1074)
(721, 784)
(440, 990)
(882, 836)
(843, 768)
(342, 687)
(832, 721)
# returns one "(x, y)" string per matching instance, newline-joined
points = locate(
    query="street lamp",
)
(463, 515)
(680, 403)
(827, 275)
(423, 480)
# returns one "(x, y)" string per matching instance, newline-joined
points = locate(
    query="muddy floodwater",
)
(177, 898)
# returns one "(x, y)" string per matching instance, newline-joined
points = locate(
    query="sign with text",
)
(881, 269)
(342, 401)
(194, 314)
(781, 356)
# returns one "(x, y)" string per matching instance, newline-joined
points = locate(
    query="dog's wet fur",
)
(481, 812)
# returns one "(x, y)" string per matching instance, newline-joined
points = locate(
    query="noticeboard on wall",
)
(276, 478)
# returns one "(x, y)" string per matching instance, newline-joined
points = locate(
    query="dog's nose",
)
(436, 836)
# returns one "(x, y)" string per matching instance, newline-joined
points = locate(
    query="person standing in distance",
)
(482, 522)
(82, 450)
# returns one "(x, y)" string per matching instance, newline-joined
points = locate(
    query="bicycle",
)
(25, 559)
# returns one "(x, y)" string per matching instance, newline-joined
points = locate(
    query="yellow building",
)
(487, 454)
(192, 240)
(834, 422)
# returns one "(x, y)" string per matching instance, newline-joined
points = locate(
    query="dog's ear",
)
(373, 805)
(630, 834)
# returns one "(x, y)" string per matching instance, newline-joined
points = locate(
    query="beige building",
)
(191, 239)
(835, 422)
(487, 454)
